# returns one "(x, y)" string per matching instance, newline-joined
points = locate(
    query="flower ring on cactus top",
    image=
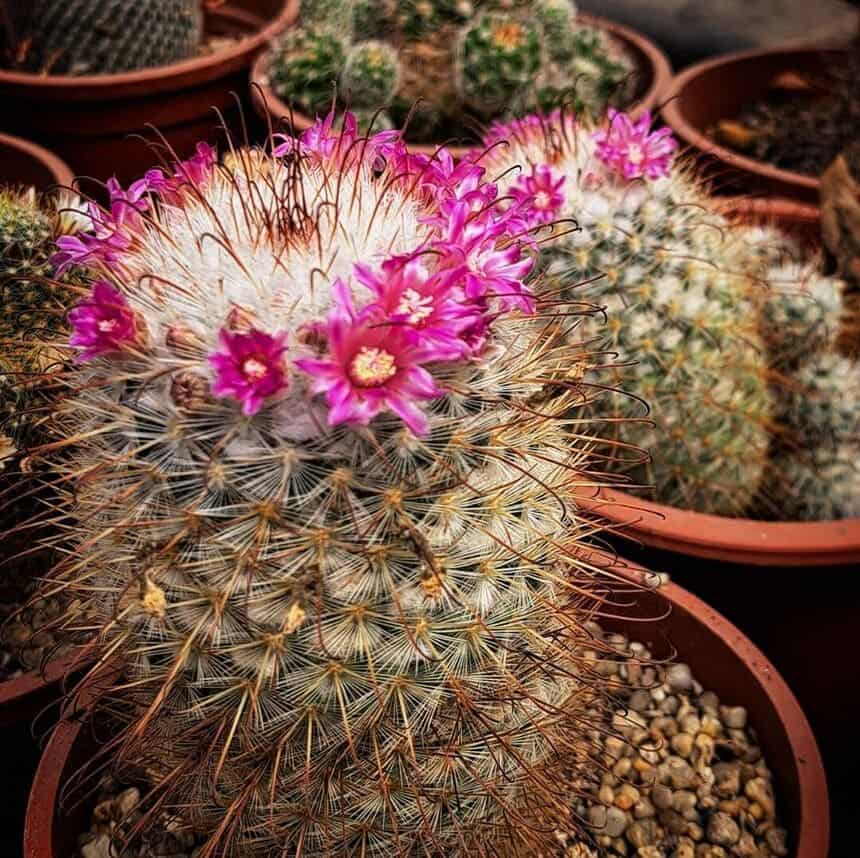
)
(633, 149)
(326, 510)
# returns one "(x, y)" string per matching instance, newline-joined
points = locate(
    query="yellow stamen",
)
(372, 367)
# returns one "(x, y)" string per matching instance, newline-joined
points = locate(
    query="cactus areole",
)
(317, 465)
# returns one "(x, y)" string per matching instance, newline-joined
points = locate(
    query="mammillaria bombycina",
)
(317, 468)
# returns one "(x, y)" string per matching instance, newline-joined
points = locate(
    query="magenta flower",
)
(102, 323)
(195, 170)
(493, 261)
(428, 307)
(370, 367)
(250, 367)
(539, 197)
(633, 149)
(322, 141)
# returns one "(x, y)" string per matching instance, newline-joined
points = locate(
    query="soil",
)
(802, 123)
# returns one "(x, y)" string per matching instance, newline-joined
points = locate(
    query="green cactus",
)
(304, 68)
(370, 76)
(819, 484)
(497, 58)
(461, 61)
(676, 282)
(85, 37)
(32, 301)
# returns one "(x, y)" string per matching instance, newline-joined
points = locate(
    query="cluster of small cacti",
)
(88, 37)
(709, 321)
(640, 240)
(316, 457)
(33, 303)
(442, 65)
(816, 452)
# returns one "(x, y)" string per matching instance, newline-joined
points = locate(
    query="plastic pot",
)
(719, 88)
(721, 657)
(655, 74)
(95, 122)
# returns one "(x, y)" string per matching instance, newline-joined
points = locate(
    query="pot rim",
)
(58, 168)
(54, 671)
(814, 822)
(676, 119)
(177, 75)
(267, 103)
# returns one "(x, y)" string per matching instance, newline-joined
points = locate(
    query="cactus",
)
(370, 75)
(33, 301)
(87, 37)
(820, 484)
(463, 62)
(677, 284)
(305, 67)
(321, 480)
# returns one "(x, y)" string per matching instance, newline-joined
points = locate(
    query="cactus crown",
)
(462, 61)
(319, 465)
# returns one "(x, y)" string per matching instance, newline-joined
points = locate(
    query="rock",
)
(650, 852)
(616, 822)
(776, 839)
(606, 795)
(98, 848)
(758, 789)
(722, 830)
(643, 809)
(685, 849)
(679, 677)
(727, 779)
(642, 833)
(682, 744)
(734, 717)
(708, 850)
(661, 796)
(640, 700)
(125, 803)
(681, 773)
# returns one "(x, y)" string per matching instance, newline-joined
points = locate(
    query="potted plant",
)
(767, 122)
(323, 520)
(443, 70)
(100, 120)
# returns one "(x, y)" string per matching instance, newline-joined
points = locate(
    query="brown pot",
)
(719, 88)
(25, 163)
(722, 659)
(93, 121)
(738, 540)
(654, 66)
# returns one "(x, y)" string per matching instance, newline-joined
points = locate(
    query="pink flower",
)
(539, 197)
(102, 323)
(371, 367)
(633, 149)
(250, 367)
(426, 306)
(195, 170)
(325, 143)
(113, 228)
(493, 261)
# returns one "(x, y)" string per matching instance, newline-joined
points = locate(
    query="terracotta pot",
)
(721, 658)
(738, 540)
(654, 66)
(25, 163)
(719, 88)
(94, 121)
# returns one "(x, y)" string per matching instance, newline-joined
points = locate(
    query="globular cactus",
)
(819, 484)
(371, 75)
(461, 62)
(321, 480)
(497, 58)
(85, 37)
(33, 301)
(677, 286)
(306, 65)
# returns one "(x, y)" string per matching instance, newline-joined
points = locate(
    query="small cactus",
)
(305, 67)
(819, 484)
(371, 75)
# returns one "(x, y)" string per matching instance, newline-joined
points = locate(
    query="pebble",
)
(686, 777)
